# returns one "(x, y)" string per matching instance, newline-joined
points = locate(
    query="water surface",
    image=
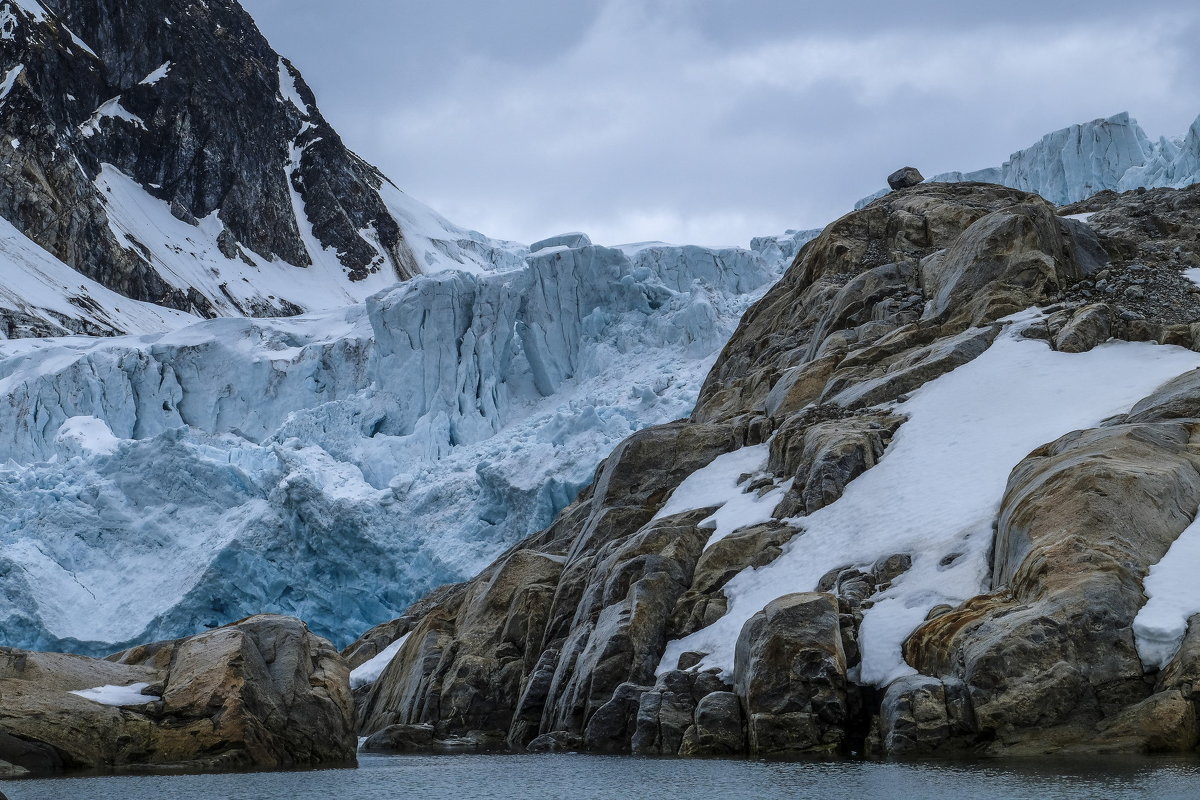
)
(585, 777)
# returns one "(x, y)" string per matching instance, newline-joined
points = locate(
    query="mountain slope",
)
(166, 152)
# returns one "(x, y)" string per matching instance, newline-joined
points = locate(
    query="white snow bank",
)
(1174, 596)
(87, 435)
(717, 485)
(156, 76)
(936, 491)
(370, 671)
(130, 695)
(38, 284)
(1193, 275)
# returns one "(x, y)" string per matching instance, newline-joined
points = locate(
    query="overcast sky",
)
(711, 121)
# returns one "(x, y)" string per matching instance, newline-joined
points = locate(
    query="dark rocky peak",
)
(115, 111)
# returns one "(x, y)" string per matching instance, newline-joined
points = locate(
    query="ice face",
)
(1074, 163)
(338, 465)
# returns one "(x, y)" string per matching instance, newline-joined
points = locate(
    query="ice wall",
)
(338, 465)
(1078, 161)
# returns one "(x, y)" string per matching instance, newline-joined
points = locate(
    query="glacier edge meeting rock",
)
(153, 485)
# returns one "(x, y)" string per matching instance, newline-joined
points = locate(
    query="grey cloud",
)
(710, 121)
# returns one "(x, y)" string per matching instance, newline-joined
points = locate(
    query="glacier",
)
(339, 464)
(1076, 162)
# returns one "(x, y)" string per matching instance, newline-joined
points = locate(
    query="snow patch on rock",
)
(1174, 596)
(369, 672)
(936, 491)
(130, 695)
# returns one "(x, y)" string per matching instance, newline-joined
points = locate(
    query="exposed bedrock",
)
(261, 693)
(1047, 661)
(560, 644)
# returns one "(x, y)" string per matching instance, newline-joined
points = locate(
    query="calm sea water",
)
(579, 777)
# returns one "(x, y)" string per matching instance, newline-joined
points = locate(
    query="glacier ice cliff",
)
(1074, 163)
(337, 465)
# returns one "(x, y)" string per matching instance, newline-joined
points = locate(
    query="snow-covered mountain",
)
(165, 152)
(1074, 163)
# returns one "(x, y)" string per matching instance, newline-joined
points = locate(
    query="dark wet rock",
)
(718, 729)
(905, 177)
(401, 739)
(555, 742)
(790, 671)
(611, 728)
(921, 715)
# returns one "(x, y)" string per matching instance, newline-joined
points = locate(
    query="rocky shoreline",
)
(263, 693)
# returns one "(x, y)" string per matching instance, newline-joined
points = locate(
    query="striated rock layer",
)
(695, 600)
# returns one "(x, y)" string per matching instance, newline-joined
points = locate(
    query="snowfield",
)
(936, 492)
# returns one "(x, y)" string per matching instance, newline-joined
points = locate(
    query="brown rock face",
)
(1048, 658)
(1004, 263)
(558, 644)
(261, 693)
(540, 640)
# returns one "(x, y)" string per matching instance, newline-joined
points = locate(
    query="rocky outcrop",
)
(791, 674)
(1047, 661)
(558, 645)
(542, 638)
(261, 693)
(857, 294)
(904, 178)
